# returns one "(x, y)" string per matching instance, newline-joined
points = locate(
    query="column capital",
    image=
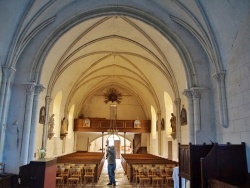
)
(48, 99)
(196, 92)
(220, 76)
(39, 88)
(29, 87)
(188, 93)
(8, 72)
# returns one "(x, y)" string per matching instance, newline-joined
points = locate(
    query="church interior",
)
(166, 82)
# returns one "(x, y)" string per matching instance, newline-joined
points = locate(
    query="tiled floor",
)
(121, 178)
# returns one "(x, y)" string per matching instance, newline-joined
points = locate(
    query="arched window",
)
(168, 109)
(56, 111)
(153, 123)
(71, 121)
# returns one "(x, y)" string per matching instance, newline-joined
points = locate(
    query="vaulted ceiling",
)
(114, 51)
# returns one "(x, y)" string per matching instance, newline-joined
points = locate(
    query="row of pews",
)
(129, 160)
(85, 158)
(43, 172)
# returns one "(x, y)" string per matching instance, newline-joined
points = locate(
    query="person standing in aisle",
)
(111, 158)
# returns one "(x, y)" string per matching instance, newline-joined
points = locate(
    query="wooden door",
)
(117, 144)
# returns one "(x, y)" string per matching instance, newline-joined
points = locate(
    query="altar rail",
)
(102, 125)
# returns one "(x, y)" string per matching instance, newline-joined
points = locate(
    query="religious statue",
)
(64, 126)
(42, 115)
(173, 123)
(162, 124)
(137, 123)
(183, 116)
(81, 116)
(51, 123)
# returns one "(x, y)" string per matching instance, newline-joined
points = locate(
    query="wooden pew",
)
(128, 160)
(189, 162)
(95, 158)
(221, 165)
(226, 163)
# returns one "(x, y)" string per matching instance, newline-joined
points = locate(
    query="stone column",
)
(159, 132)
(102, 141)
(196, 92)
(177, 103)
(124, 136)
(34, 121)
(30, 88)
(45, 127)
(190, 114)
(8, 74)
(222, 101)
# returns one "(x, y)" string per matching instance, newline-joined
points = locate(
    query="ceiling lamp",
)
(113, 116)
(113, 95)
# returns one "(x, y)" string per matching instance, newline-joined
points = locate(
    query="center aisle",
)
(121, 178)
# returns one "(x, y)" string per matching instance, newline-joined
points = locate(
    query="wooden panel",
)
(120, 124)
(189, 159)
(102, 125)
(218, 184)
(94, 124)
(35, 174)
(129, 124)
(105, 124)
(226, 163)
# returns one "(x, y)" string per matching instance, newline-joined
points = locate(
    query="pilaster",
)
(220, 78)
(45, 127)
(34, 121)
(190, 114)
(30, 88)
(177, 103)
(196, 93)
(8, 74)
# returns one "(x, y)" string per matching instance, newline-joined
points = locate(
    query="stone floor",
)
(121, 178)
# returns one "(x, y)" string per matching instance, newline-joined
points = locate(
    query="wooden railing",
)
(102, 125)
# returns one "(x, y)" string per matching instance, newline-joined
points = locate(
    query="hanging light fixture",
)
(113, 116)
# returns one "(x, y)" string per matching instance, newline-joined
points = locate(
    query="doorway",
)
(114, 140)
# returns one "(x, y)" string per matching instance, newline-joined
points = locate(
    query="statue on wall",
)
(137, 123)
(162, 124)
(64, 126)
(81, 116)
(183, 116)
(42, 115)
(173, 123)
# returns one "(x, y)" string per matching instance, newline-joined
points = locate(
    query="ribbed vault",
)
(114, 51)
